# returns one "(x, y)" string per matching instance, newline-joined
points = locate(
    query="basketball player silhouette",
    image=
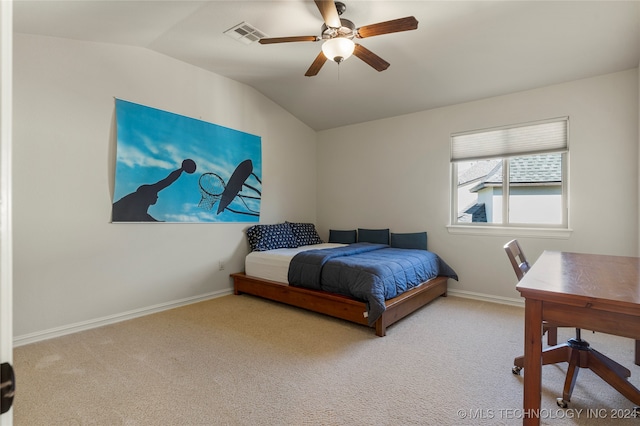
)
(133, 207)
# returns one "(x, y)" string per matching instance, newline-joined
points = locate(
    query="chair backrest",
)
(517, 258)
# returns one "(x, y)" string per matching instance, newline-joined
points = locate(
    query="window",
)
(511, 176)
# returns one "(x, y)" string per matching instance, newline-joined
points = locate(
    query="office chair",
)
(574, 351)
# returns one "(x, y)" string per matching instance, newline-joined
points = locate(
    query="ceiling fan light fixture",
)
(338, 49)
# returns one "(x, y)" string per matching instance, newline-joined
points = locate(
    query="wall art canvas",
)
(172, 168)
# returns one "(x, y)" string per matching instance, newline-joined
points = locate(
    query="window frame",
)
(506, 227)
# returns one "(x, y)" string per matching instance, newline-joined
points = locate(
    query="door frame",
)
(6, 240)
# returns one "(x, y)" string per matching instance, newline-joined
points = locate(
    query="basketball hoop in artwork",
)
(213, 189)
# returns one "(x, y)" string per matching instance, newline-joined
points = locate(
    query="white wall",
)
(73, 267)
(395, 173)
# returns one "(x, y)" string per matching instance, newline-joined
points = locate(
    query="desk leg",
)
(532, 361)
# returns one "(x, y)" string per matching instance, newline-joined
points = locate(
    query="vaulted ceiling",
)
(462, 50)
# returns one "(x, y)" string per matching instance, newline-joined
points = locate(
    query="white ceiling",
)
(461, 51)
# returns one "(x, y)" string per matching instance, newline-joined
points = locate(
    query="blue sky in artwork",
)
(152, 143)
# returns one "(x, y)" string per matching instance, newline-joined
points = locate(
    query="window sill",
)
(559, 233)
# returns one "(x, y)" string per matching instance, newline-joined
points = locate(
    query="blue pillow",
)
(378, 236)
(305, 233)
(343, 237)
(413, 240)
(271, 237)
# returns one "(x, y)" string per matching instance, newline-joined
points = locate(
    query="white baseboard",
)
(486, 297)
(112, 319)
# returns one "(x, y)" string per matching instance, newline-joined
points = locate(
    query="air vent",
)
(245, 33)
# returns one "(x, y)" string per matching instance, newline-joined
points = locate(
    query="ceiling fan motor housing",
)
(346, 30)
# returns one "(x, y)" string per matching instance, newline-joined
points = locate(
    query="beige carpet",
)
(239, 360)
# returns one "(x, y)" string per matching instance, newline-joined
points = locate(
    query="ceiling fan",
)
(339, 33)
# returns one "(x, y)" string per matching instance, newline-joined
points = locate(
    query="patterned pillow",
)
(305, 233)
(270, 237)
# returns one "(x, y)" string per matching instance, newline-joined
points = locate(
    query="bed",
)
(383, 283)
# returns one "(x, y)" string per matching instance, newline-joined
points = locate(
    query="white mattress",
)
(273, 265)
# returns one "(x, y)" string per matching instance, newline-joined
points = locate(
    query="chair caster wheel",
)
(561, 403)
(516, 370)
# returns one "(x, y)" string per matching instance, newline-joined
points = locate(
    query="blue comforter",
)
(369, 272)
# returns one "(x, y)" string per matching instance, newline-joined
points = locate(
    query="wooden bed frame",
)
(339, 306)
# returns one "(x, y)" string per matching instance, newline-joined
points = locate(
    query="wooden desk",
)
(594, 292)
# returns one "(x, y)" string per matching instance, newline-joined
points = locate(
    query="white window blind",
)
(524, 139)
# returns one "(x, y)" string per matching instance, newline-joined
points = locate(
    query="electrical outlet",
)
(221, 265)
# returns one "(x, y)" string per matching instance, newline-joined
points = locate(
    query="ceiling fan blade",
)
(370, 58)
(316, 65)
(394, 26)
(272, 40)
(329, 13)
